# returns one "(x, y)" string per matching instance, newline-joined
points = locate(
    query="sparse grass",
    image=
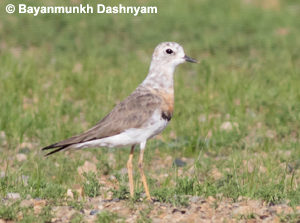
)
(246, 217)
(144, 215)
(77, 205)
(168, 195)
(122, 192)
(293, 218)
(8, 212)
(107, 217)
(59, 74)
(91, 185)
(13, 212)
(77, 218)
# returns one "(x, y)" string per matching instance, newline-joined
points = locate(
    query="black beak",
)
(188, 59)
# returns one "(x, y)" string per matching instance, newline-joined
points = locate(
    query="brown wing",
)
(133, 112)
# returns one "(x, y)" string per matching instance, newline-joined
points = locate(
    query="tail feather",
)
(50, 147)
(56, 150)
(64, 144)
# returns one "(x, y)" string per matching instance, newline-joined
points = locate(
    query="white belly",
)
(131, 136)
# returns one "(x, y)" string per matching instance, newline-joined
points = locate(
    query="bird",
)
(144, 114)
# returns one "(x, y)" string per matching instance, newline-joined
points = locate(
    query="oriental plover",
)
(142, 115)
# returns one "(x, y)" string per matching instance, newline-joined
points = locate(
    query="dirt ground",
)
(199, 210)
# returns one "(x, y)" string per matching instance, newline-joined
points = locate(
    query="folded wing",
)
(133, 112)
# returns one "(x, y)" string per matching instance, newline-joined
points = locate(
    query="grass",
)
(91, 185)
(61, 73)
(107, 217)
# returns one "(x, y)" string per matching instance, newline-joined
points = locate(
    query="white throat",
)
(160, 76)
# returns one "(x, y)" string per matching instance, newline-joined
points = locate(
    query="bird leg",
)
(143, 175)
(129, 168)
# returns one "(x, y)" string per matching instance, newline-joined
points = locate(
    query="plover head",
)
(170, 54)
(166, 56)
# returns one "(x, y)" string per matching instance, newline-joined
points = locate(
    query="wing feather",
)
(133, 112)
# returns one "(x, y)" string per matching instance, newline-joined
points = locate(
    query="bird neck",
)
(160, 78)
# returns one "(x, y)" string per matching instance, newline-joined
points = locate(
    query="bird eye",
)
(169, 51)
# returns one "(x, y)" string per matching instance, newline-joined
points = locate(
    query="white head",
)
(170, 54)
(166, 57)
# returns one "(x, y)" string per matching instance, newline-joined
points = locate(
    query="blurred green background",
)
(59, 74)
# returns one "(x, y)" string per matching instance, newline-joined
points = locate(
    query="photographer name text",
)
(81, 9)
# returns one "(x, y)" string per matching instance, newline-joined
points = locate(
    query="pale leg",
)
(129, 168)
(142, 171)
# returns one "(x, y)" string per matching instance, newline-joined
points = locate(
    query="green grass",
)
(107, 217)
(91, 185)
(59, 74)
